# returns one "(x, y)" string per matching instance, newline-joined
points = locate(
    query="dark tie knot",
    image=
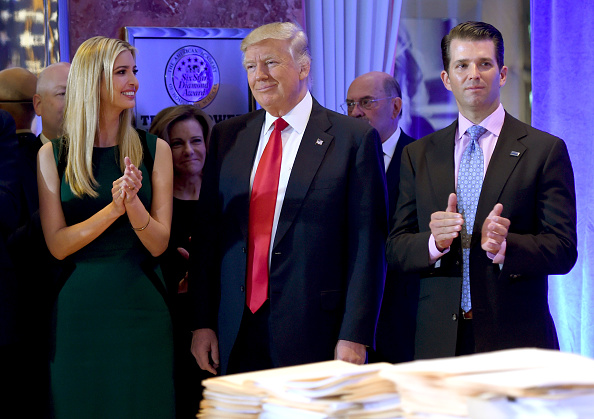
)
(280, 124)
(475, 132)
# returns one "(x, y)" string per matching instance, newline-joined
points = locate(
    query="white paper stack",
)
(510, 384)
(332, 389)
(229, 397)
(518, 380)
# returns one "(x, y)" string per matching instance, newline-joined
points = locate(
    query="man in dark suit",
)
(376, 98)
(48, 103)
(17, 88)
(9, 216)
(320, 243)
(523, 204)
(37, 282)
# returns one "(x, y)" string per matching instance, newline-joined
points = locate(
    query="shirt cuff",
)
(434, 253)
(500, 256)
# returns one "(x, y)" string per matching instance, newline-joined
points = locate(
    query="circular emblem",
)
(192, 76)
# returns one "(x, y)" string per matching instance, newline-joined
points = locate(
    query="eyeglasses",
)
(365, 103)
(16, 101)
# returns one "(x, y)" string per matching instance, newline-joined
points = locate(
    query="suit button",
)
(242, 288)
(457, 263)
(243, 250)
(454, 317)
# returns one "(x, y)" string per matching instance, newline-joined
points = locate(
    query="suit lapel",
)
(440, 160)
(313, 147)
(245, 149)
(506, 156)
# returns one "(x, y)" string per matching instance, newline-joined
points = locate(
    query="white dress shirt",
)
(297, 119)
(389, 146)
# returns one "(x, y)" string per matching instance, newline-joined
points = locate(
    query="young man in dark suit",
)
(486, 212)
(376, 97)
(290, 271)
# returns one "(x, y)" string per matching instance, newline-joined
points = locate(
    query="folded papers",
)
(514, 383)
(321, 390)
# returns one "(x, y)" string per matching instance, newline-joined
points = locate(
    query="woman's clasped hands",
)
(126, 188)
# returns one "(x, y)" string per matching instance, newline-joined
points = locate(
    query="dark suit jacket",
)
(395, 335)
(37, 281)
(29, 224)
(29, 145)
(28, 238)
(529, 173)
(9, 215)
(328, 263)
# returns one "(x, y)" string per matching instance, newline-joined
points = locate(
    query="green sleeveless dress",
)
(112, 336)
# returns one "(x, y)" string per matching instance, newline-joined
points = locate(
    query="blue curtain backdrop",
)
(563, 87)
(349, 38)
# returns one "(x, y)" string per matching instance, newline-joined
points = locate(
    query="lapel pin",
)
(514, 153)
(319, 142)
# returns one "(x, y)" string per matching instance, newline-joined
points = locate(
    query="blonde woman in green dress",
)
(105, 203)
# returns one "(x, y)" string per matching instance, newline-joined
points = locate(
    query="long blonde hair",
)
(92, 64)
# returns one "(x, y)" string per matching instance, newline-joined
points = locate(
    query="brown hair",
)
(164, 121)
(473, 31)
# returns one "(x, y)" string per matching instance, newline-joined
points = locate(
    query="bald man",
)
(49, 99)
(17, 87)
(376, 98)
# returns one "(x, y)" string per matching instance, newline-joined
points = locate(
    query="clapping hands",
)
(125, 188)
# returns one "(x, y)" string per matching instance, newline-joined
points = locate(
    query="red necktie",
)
(262, 203)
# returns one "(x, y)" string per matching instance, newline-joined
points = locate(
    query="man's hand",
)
(446, 225)
(204, 342)
(494, 230)
(182, 286)
(350, 352)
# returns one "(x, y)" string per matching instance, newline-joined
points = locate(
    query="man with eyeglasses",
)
(376, 98)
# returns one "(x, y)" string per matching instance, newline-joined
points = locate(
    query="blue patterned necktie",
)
(470, 182)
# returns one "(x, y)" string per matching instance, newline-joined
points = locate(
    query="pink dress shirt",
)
(493, 123)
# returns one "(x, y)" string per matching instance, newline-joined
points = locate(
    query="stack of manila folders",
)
(516, 383)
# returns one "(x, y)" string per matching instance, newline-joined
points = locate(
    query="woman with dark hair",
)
(105, 204)
(187, 130)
